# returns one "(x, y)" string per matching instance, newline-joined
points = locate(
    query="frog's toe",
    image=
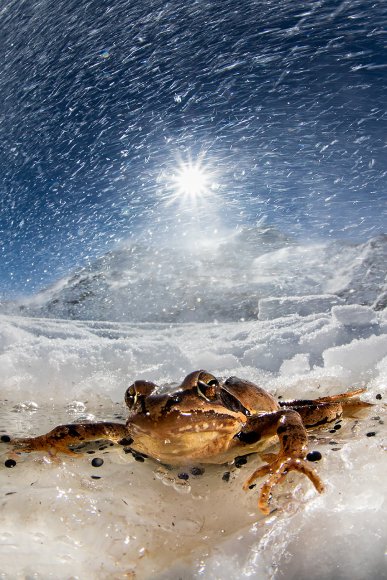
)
(260, 472)
(278, 470)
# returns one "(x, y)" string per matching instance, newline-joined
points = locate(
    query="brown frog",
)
(209, 421)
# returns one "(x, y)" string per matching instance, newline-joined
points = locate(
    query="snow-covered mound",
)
(223, 281)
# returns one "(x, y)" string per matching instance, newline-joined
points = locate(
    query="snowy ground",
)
(127, 519)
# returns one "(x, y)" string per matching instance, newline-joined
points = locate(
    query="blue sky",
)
(285, 101)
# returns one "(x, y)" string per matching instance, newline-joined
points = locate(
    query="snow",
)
(140, 520)
(222, 278)
(269, 308)
(354, 315)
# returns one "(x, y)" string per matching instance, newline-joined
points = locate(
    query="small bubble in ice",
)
(76, 407)
(87, 417)
(29, 406)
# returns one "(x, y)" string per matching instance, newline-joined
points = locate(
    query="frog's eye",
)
(207, 387)
(131, 396)
(139, 390)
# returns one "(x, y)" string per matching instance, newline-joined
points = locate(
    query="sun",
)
(191, 181)
(191, 184)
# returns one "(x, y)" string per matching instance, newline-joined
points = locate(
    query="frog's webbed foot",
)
(277, 472)
(291, 457)
(63, 437)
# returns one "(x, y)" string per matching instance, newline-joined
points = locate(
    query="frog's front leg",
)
(61, 438)
(293, 438)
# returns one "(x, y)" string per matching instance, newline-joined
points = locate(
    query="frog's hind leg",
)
(63, 437)
(315, 412)
(350, 402)
(288, 425)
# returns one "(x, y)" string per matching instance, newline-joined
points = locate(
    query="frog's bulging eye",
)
(138, 391)
(206, 387)
(131, 396)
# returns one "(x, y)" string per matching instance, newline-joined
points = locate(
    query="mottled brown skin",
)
(208, 421)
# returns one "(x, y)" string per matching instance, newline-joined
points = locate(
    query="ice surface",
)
(141, 521)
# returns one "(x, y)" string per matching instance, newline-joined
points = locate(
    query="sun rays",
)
(189, 184)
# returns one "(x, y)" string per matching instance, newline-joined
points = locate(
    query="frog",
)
(208, 420)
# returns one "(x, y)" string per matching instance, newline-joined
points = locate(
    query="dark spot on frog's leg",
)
(73, 432)
(378, 397)
(299, 403)
(125, 441)
(10, 463)
(183, 476)
(249, 437)
(5, 438)
(371, 434)
(322, 422)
